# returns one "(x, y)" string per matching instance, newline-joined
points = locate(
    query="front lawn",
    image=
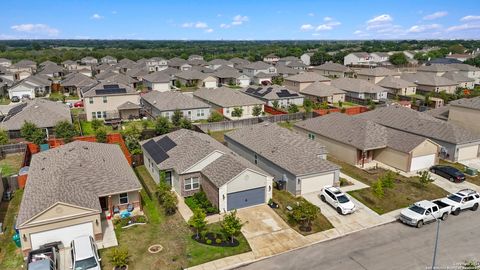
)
(4, 101)
(11, 257)
(472, 179)
(284, 199)
(11, 164)
(88, 130)
(406, 190)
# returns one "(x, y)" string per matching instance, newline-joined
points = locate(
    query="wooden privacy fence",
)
(272, 110)
(348, 111)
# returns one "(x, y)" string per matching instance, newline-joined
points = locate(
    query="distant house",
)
(374, 75)
(225, 100)
(239, 63)
(358, 142)
(43, 113)
(462, 80)
(397, 86)
(156, 64)
(115, 77)
(436, 69)
(465, 113)
(306, 58)
(158, 81)
(231, 76)
(216, 63)
(70, 65)
(333, 70)
(460, 56)
(428, 82)
(195, 57)
(32, 86)
(320, 92)
(274, 93)
(285, 71)
(194, 78)
(271, 58)
(360, 89)
(5, 62)
(74, 82)
(379, 57)
(108, 60)
(300, 81)
(164, 104)
(357, 59)
(52, 71)
(260, 71)
(102, 101)
(89, 60)
(193, 161)
(469, 71)
(291, 158)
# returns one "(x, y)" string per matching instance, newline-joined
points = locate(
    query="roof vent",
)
(85, 148)
(154, 102)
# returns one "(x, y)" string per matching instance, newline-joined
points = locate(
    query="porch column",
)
(110, 206)
(140, 201)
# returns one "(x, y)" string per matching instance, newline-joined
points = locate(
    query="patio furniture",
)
(116, 210)
(130, 207)
(125, 214)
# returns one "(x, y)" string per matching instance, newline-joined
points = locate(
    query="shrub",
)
(170, 203)
(388, 179)
(304, 213)
(209, 242)
(101, 135)
(119, 257)
(200, 200)
(4, 137)
(215, 117)
(96, 124)
(218, 241)
(293, 108)
(27, 130)
(140, 219)
(377, 189)
(425, 177)
(162, 125)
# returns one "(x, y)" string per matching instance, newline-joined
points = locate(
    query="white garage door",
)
(210, 84)
(20, 94)
(66, 235)
(316, 183)
(468, 152)
(422, 162)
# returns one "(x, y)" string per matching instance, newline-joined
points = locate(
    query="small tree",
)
(231, 225)
(257, 110)
(377, 189)
(178, 84)
(293, 108)
(304, 213)
(131, 136)
(65, 130)
(3, 137)
(162, 125)
(185, 123)
(27, 130)
(388, 179)
(170, 203)
(215, 117)
(308, 104)
(275, 104)
(198, 221)
(424, 177)
(96, 124)
(38, 137)
(119, 257)
(340, 104)
(163, 187)
(101, 135)
(398, 59)
(176, 117)
(237, 112)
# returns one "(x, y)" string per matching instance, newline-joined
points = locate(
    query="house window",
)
(311, 136)
(99, 114)
(90, 100)
(94, 115)
(167, 114)
(123, 198)
(104, 99)
(256, 158)
(191, 183)
(104, 114)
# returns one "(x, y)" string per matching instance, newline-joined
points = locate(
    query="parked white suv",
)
(84, 254)
(339, 200)
(462, 200)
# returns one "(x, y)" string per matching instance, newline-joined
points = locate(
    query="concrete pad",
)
(452, 187)
(109, 237)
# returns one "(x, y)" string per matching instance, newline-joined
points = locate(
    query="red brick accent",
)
(210, 190)
(182, 178)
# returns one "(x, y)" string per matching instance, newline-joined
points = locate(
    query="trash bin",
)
(281, 185)
(16, 239)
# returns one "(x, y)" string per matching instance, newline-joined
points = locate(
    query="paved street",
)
(391, 246)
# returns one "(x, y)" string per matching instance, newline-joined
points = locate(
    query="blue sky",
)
(241, 20)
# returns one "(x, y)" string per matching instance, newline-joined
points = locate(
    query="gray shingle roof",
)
(169, 101)
(307, 77)
(418, 123)
(78, 80)
(191, 75)
(271, 92)
(77, 173)
(377, 72)
(457, 77)
(471, 103)
(226, 97)
(395, 83)
(436, 68)
(285, 148)
(157, 77)
(128, 106)
(91, 91)
(258, 65)
(329, 66)
(357, 86)
(43, 113)
(320, 89)
(465, 67)
(427, 79)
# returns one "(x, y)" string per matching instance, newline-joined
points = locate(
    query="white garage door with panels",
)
(422, 162)
(468, 152)
(316, 183)
(65, 235)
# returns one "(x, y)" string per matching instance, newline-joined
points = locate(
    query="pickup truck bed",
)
(42, 258)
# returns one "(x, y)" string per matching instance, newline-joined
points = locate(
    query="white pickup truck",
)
(463, 200)
(424, 212)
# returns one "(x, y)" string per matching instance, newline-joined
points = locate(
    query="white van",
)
(84, 254)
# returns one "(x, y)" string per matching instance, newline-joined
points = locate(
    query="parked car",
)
(424, 212)
(15, 99)
(339, 200)
(448, 172)
(463, 200)
(44, 258)
(78, 104)
(84, 254)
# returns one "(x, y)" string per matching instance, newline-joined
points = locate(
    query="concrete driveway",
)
(451, 186)
(267, 233)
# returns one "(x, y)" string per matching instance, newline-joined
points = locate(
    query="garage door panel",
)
(422, 162)
(468, 152)
(245, 198)
(65, 234)
(316, 183)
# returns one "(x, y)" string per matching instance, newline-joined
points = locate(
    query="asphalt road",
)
(391, 246)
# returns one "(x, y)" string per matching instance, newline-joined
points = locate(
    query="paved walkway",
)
(183, 209)
(109, 237)
(355, 183)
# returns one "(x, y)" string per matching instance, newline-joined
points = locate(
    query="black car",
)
(15, 99)
(448, 172)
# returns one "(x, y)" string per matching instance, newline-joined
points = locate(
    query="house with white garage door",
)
(193, 161)
(457, 143)
(286, 155)
(359, 142)
(69, 189)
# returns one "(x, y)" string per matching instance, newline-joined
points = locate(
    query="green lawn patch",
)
(287, 124)
(4, 101)
(218, 135)
(88, 130)
(284, 199)
(11, 164)
(146, 179)
(11, 257)
(472, 179)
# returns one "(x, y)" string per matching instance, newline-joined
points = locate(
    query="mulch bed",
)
(210, 236)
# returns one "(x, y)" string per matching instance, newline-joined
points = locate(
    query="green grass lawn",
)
(11, 164)
(287, 124)
(218, 135)
(472, 179)
(149, 124)
(346, 104)
(88, 130)
(4, 101)
(284, 198)
(11, 257)
(406, 191)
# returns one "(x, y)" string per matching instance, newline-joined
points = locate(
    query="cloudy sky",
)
(241, 19)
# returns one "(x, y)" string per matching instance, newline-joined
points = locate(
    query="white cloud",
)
(327, 19)
(225, 26)
(209, 30)
(381, 19)
(436, 15)
(329, 25)
(463, 27)
(239, 19)
(470, 18)
(306, 27)
(201, 25)
(39, 28)
(311, 14)
(96, 16)
(423, 28)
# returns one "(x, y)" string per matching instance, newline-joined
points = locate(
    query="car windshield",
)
(417, 209)
(85, 264)
(455, 198)
(342, 199)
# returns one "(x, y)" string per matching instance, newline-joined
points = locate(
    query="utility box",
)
(471, 171)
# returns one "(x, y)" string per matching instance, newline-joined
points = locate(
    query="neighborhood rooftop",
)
(226, 97)
(169, 101)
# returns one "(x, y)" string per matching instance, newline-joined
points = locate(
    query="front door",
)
(104, 203)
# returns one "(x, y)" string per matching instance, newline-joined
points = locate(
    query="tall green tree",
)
(65, 130)
(176, 117)
(398, 59)
(231, 225)
(27, 130)
(162, 125)
(38, 137)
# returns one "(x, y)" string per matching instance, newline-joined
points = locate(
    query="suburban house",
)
(360, 89)
(108, 60)
(465, 112)
(320, 92)
(333, 70)
(357, 59)
(89, 60)
(379, 57)
(457, 143)
(375, 75)
(427, 82)
(5, 62)
(74, 82)
(196, 78)
(239, 63)
(306, 58)
(179, 63)
(70, 65)
(359, 141)
(260, 71)
(69, 189)
(275, 94)
(156, 64)
(156, 103)
(231, 76)
(300, 81)
(102, 101)
(194, 161)
(115, 77)
(225, 100)
(43, 113)
(216, 63)
(397, 86)
(462, 80)
(52, 71)
(285, 71)
(469, 71)
(195, 57)
(271, 58)
(286, 155)
(32, 86)
(158, 81)
(436, 69)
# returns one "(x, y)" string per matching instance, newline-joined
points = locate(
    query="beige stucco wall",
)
(464, 117)
(112, 103)
(296, 86)
(449, 89)
(133, 197)
(426, 148)
(336, 98)
(393, 158)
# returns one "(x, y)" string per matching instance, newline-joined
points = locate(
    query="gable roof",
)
(436, 68)
(169, 101)
(191, 75)
(77, 173)
(226, 97)
(377, 72)
(440, 112)
(78, 80)
(329, 66)
(157, 77)
(427, 79)
(307, 77)
(259, 65)
(272, 92)
(320, 89)
(293, 152)
(457, 77)
(471, 103)
(107, 88)
(357, 86)
(395, 83)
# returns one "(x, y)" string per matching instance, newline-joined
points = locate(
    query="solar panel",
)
(110, 91)
(166, 143)
(110, 86)
(15, 110)
(155, 151)
(286, 93)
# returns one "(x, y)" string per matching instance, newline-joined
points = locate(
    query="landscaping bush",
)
(388, 179)
(215, 117)
(377, 189)
(209, 242)
(425, 178)
(200, 200)
(119, 257)
(304, 213)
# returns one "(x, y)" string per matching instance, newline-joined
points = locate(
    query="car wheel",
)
(475, 207)
(456, 212)
(323, 198)
(339, 210)
(420, 224)
(451, 179)
(444, 216)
